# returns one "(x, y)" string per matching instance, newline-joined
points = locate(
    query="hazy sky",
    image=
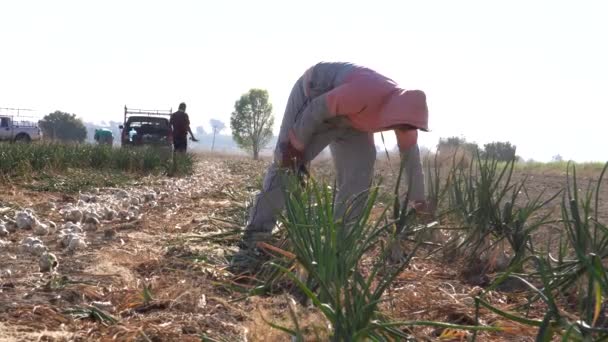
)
(531, 72)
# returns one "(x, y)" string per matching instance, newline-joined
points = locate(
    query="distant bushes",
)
(461, 152)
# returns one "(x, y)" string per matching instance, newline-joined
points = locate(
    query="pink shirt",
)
(374, 103)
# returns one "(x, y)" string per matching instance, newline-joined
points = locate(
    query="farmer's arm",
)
(410, 155)
(189, 129)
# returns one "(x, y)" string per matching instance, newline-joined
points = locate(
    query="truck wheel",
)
(22, 138)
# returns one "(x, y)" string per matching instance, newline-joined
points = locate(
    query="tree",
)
(63, 126)
(200, 131)
(501, 151)
(557, 158)
(217, 127)
(252, 121)
(457, 142)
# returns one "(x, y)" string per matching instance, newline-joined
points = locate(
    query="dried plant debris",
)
(3, 231)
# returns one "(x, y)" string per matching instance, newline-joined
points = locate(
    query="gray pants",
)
(354, 156)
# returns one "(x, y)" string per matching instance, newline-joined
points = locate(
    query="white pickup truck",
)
(13, 128)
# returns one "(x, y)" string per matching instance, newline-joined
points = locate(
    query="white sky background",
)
(531, 72)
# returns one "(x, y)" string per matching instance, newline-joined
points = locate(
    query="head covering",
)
(405, 107)
(375, 103)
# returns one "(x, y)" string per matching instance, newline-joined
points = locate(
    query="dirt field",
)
(161, 281)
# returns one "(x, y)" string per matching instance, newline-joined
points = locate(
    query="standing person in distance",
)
(180, 124)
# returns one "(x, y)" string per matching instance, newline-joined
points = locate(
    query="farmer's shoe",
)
(252, 237)
(245, 260)
(249, 257)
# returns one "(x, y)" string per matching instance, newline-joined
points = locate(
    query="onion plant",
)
(489, 203)
(579, 275)
(436, 187)
(477, 195)
(331, 249)
(25, 159)
(586, 237)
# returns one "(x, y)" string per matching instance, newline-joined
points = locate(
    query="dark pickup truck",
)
(146, 127)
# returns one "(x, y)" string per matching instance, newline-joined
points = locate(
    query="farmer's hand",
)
(193, 139)
(290, 156)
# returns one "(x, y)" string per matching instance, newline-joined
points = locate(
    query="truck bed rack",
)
(147, 112)
(20, 120)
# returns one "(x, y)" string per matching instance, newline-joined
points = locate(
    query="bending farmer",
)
(341, 105)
